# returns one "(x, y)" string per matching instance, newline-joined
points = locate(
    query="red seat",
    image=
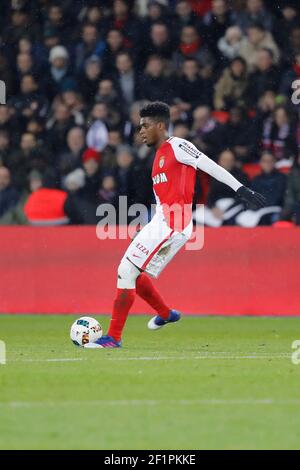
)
(220, 116)
(252, 169)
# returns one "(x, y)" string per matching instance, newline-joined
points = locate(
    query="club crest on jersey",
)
(161, 162)
(160, 178)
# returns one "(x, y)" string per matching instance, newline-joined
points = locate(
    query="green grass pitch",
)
(204, 383)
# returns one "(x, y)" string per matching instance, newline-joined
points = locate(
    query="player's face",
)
(149, 131)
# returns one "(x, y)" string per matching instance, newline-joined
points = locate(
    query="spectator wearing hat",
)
(59, 74)
(229, 45)
(91, 160)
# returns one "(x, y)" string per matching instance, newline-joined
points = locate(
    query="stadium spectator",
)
(289, 77)
(229, 45)
(291, 208)
(232, 87)
(27, 157)
(155, 85)
(192, 89)
(89, 78)
(271, 184)
(45, 205)
(79, 68)
(126, 79)
(239, 133)
(70, 159)
(192, 45)
(97, 135)
(265, 77)
(216, 22)
(257, 38)
(159, 41)
(255, 12)
(90, 45)
(115, 43)
(279, 134)
(60, 72)
(205, 131)
(218, 191)
(4, 147)
(8, 194)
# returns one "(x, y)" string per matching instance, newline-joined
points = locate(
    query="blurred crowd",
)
(78, 71)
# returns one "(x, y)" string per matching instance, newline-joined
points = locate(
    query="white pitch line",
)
(201, 357)
(186, 402)
(63, 359)
(204, 356)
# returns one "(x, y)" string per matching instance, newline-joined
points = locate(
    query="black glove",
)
(251, 199)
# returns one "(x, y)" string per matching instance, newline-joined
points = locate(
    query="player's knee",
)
(127, 275)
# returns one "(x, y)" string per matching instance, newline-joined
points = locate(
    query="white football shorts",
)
(155, 245)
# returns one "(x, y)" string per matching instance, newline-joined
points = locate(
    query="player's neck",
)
(161, 141)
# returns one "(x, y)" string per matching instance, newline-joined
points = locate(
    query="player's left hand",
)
(250, 198)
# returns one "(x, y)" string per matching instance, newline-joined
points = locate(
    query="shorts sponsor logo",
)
(142, 248)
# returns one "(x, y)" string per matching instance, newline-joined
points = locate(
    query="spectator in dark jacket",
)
(192, 89)
(279, 134)
(270, 183)
(291, 209)
(154, 84)
(219, 190)
(8, 194)
(265, 77)
(239, 135)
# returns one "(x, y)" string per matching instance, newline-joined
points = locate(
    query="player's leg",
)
(142, 248)
(127, 275)
(147, 291)
(158, 262)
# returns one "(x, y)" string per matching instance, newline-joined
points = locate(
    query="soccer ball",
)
(85, 330)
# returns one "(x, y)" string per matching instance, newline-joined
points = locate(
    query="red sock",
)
(146, 290)
(122, 305)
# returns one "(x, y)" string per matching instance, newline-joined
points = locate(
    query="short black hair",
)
(157, 110)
